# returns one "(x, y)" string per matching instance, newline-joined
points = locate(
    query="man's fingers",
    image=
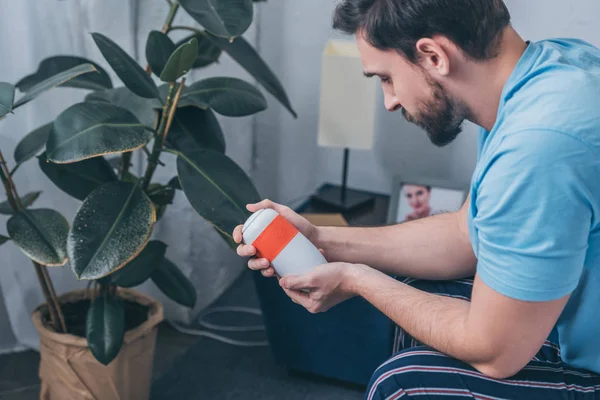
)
(296, 282)
(268, 272)
(237, 234)
(258, 264)
(246, 250)
(265, 204)
(298, 297)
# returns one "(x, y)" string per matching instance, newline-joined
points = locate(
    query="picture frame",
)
(418, 197)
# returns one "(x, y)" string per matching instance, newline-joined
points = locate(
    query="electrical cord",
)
(224, 328)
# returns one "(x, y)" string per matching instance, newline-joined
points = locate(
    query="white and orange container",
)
(277, 240)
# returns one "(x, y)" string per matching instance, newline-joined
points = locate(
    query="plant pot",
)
(68, 369)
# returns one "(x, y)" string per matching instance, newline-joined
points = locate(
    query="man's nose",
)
(391, 103)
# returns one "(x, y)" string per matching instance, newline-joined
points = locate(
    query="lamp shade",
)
(348, 99)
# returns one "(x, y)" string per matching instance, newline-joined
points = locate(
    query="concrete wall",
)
(291, 37)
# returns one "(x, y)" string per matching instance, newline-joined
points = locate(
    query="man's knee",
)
(401, 373)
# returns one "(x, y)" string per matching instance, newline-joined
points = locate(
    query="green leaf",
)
(26, 200)
(180, 62)
(159, 48)
(176, 286)
(127, 69)
(223, 18)
(140, 268)
(231, 97)
(129, 177)
(54, 65)
(3, 239)
(78, 179)
(208, 53)
(194, 129)
(7, 96)
(162, 195)
(93, 129)
(105, 327)
(122, 97)
(56, 80)
(174, 183)
(40, 234)
(110, 229)
(32, 143)
(216, 187)
(242, 52)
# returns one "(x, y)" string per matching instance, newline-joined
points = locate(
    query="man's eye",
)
(386, 80)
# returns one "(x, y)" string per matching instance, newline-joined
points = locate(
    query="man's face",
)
(418, 197)
(409, 88)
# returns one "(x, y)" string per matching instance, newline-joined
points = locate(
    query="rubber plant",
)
(108, 242)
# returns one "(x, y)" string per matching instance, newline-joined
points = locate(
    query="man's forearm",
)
(435, 248)
(437, 321)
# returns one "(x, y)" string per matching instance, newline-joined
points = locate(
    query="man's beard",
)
(442, 117)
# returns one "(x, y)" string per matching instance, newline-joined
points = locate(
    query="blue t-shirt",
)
(534, 213)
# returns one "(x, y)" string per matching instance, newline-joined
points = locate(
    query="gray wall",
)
(292, 35)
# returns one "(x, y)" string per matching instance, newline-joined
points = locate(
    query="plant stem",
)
(154, 156)
(56, 304)
(11, 185)
(8, 190)
(170, 16)
(167, 115)
(172, 112)
(51, 309)
(14, 169)
(124, 164)
(147, 152)
(186, 28)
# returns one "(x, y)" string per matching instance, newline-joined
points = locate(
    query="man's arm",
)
(434, 248)
(495, 334)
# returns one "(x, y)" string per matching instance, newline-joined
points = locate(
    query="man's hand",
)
(324, 287)
(262, 264)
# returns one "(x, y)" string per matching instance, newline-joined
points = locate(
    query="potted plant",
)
(105, 347)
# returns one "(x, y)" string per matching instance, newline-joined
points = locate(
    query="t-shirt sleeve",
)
(534, 213)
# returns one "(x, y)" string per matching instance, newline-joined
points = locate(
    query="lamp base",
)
(331, 196)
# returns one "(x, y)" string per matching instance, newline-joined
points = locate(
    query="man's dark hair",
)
(474, 25)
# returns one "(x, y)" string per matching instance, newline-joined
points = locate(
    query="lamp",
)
(346, 116)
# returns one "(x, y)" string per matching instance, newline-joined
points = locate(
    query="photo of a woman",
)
(418, 199)
(421, 200)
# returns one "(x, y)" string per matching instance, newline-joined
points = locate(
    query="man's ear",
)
(432, 56)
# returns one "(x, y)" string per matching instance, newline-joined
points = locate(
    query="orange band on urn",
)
(274, 238)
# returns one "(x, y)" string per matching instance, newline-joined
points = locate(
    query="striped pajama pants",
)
(420, 372)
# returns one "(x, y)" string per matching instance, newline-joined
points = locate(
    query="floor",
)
(199, 367)
(18, 372)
